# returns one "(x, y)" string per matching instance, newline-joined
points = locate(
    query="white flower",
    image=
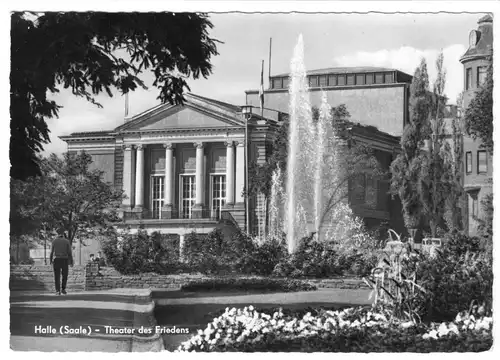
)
(443, 330)
(251, 308)
(407, 324)
(433, 334)
(355, 323)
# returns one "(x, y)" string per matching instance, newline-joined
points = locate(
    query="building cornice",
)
(329, 88)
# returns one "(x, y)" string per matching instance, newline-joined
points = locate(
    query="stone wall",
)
(41, 278)
(109, 278)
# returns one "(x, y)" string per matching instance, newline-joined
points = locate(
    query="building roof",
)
(344, 70)
(93, 134)
(218, 103)
(484, 45)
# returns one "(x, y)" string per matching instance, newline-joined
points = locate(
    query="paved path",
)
(86, 321)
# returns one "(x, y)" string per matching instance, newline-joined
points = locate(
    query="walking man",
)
(61, 256)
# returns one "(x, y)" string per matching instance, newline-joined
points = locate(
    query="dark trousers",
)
(61, 265)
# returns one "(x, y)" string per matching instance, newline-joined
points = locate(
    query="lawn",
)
(195, 309)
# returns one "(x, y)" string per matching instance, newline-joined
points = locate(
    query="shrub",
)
(311, 259)
(459, 243)
(142, 253)
(264, 258)
(203, 252)
(248, 284)
(453, 282)
(421, 287)
(347, 330)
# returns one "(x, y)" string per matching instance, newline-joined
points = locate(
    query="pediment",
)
(192, 115)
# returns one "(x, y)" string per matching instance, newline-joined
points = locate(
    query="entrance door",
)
(218, 195)
(157, 186)
(188, 195)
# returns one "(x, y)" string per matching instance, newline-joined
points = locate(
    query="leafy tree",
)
(436, 172)
(455, 200)
(479, 114)
(81, 52)
(405, 169)
(69, 198)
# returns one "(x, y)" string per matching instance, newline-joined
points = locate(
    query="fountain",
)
(310, 201)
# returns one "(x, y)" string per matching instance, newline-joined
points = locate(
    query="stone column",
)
(240, 172)
(168, 206)
(229, 173)
(139, 179)
(127, 177)
(198, 208)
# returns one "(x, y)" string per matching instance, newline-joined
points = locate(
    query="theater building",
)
(478, 177)
(182, 167)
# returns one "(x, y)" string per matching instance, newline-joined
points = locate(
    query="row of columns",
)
(235, 176)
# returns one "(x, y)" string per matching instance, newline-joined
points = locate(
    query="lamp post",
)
(247, 112)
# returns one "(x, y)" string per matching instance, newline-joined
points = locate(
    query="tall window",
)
(157, 186)
(481, 75)
(332, 80)
(379, 78)
(482, 162)
(313, 81)
(475, 206)
(323, 80)
(277, 83)
(188, 195)
(468, 162)
(350, 79)
(341, 80)
(285, 83)
(218, 194)
(360, 79)
(369, 79)
(468, 78)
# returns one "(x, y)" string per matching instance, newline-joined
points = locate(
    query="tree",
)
(405, 169)
(455, 201)
(69, 198)
(479, 113)
(80, 51)
(435, 181)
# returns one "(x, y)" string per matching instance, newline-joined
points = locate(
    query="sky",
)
(389, 40)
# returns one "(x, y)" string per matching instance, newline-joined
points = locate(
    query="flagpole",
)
(126, 104)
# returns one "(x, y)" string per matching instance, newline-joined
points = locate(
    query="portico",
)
(179, 179)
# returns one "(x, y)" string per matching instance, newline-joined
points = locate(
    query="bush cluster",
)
(434, 288)
(213, 254)
(454, 280)
(314, 259)
(143, 253)
(347, 330)
(249, 284)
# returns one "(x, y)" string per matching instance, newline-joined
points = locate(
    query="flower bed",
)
(248, 284)
(349, 330)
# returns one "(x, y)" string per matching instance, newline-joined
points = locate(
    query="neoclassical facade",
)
(183, 167)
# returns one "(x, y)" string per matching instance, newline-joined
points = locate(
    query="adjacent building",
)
(377, 101)
(478, 177)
